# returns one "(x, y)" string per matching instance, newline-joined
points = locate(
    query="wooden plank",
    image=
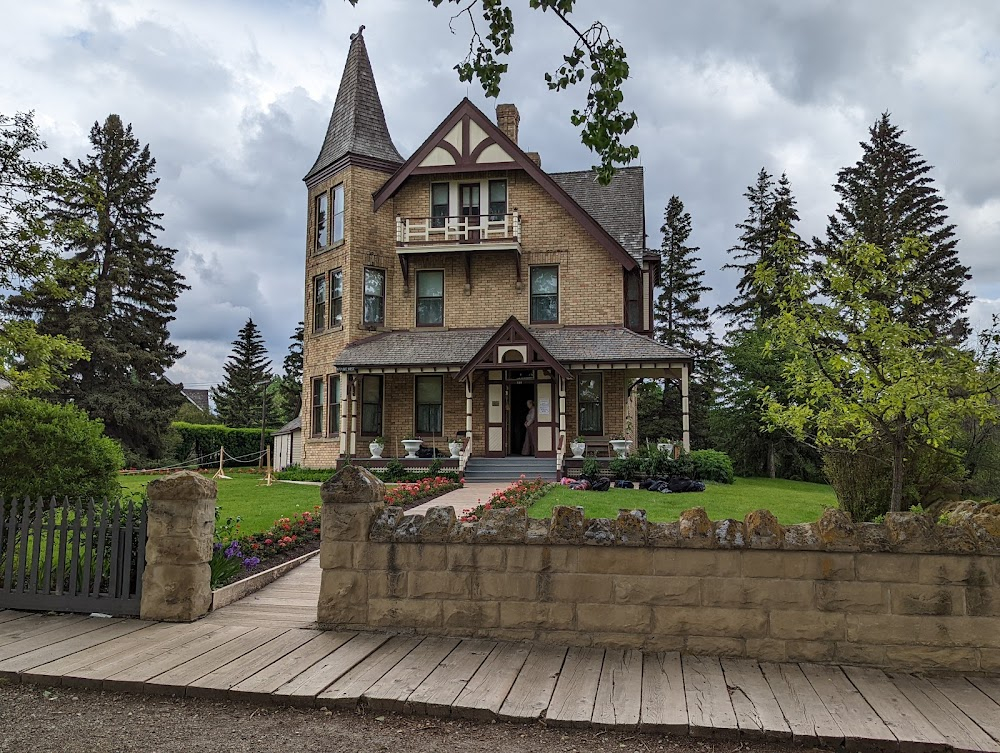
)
(710, 710)
(28, 663)
(59, 668)
(530, 695)
(807, 717)
(487, 689)
(619, 691)
(757, 712)
(302, 689)
(9, 615)
(988, 685)
(391, 691)
(572, 703)
(347, 690)
(136, 676)
(69, 629)
(436, 694)
(137, 649)
(176, 680)
(216, 684)
(862, 727)
(664, 706)
(50, 535)
(263, 683)
(974, 703)
(911, 728)
(35, 624)
(958, 730)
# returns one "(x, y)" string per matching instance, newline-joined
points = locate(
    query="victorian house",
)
(462, 291)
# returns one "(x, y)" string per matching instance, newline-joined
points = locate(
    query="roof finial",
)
(360, 29)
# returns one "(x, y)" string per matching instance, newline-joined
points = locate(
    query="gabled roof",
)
(467, 112)
(357, 125)
(513, 331)
(618, 206)
(197, 398)
(292, 426)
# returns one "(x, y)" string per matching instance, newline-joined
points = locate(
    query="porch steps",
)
(494, 470)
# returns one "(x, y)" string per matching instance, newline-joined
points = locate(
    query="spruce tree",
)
(887, 196)
(755, 239)
(679, 318)
(122, 289)
(239, 399)
(290, 383)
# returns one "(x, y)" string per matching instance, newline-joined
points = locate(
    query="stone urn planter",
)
(577, 448)
(621, 446)
(667, 447)
(411, 446)
(375, 448)
(454, 448)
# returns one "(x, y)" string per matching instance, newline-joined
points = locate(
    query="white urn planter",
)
(621, 446)
(665, 447)
(411, 446)
(577, 448)
(376, 449)
(454, 448)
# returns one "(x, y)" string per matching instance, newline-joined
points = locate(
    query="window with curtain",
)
(338, 213)
(318, 403)
(321, 235)
(336, 298)
(439, 204)
(429, 400)
(319, 302)
(590, 393)
(633, 301)
(333, 406)
(544, 295)
(374, 304)
(498, 200)
(430, 298)
(371, 406)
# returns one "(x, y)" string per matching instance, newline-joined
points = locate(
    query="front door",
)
(520, 393)
(469, 206)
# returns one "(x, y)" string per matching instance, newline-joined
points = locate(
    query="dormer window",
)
(498, 200)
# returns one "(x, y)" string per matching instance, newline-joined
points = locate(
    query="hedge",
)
(199, 440)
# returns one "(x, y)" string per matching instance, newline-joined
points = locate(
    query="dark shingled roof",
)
(357, 125)
(457, 347)
(197, 398)
(618, 207)
(294, 425)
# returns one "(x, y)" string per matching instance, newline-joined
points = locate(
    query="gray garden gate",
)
(73, 556)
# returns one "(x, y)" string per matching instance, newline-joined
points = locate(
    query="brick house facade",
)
(446, 290)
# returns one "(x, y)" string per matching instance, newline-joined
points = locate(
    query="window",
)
(498, 200)
(590, 388)
(319, 302)
(333, 407)
(544, 295)
(469, 194)
(430, 298)
(338, 213)
(336, 298)
(321, 204)
(318, 402)
(633, 302)
(374, 304)
(371, 406)
(429, 404)
(439, 204)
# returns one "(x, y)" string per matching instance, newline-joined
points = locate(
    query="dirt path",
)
(35, 719)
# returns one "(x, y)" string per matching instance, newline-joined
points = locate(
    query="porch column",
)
(468, 406)
(352, 439)
(345, 412)
(685, 409)
(562, 404)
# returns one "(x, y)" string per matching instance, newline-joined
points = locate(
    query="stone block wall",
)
(904, 595)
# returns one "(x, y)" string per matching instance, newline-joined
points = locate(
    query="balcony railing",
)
(441, 231)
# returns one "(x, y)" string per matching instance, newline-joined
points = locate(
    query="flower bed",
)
(521, 493)
(407, 495)
(237, 556)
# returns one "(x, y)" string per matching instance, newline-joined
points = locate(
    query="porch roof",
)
(458, 346)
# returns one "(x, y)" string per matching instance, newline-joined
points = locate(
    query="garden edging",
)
(235, 591)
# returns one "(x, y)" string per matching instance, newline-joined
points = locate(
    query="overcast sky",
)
(233, 98)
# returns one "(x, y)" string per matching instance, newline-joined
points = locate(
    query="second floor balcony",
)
(487, 232)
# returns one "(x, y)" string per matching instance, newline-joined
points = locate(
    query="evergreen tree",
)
(243, 397)
(886, 197)
(679, 318)
(289, 395)
(122, 290)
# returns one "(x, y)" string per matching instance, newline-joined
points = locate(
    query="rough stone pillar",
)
(351, 500)
(176, 584)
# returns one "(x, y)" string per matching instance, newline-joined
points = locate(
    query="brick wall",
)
(895, 596)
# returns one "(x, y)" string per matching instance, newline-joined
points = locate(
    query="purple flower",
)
(216, 547)
(233, 550)
(251, 562)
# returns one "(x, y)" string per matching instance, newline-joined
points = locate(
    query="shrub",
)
(199, 441)
(394, 471)
(712, 465)
(590, 468)
(55, 450)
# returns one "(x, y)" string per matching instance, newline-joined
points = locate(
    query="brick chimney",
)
(507, 119)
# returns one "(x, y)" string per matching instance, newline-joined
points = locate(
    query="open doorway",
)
(520, 394)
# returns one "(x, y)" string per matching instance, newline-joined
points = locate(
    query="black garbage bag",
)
(601, 485)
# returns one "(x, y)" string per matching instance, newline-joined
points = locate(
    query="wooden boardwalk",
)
(266, 649)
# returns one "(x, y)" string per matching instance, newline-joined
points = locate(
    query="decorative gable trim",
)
(512, 336)
(494, 151)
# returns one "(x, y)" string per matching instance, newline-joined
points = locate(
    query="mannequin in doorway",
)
(529, 433)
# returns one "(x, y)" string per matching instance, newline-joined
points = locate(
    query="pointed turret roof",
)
(357, 125)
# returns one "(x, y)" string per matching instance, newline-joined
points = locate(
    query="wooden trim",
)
(349, 160)
(512, 325)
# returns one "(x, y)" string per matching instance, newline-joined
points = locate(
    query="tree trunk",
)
(770, 459)
(896, 501)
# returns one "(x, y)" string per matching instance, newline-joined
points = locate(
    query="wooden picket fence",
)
(73, 556)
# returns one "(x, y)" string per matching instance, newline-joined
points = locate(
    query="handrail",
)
(458, 228)
(465, 454)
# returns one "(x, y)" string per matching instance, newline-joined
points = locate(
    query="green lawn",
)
(259, 506)
(791, 501)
